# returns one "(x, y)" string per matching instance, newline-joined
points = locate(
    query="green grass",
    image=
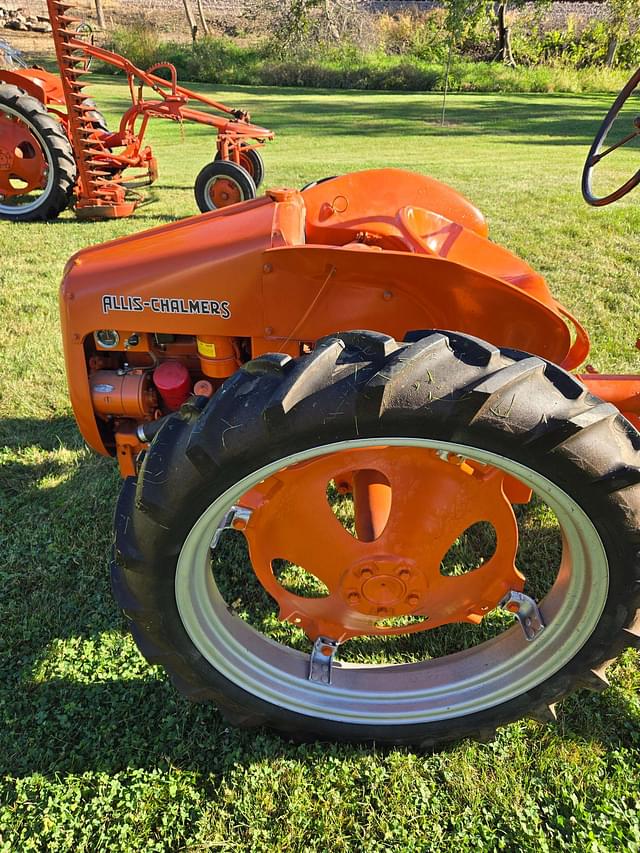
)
(97, 751)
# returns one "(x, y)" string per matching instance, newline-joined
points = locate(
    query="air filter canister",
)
(173, 382)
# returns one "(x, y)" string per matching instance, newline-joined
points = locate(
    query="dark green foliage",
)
(406, 60)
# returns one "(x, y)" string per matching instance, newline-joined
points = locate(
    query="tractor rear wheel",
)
(436, 440)
(222, 183)
(37, 166)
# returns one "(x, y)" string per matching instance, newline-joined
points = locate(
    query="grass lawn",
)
(97, 750)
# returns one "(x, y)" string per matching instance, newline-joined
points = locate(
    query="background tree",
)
(463, 16)
(100, 14)
(621, 15)
(193, 27)
(203, 20)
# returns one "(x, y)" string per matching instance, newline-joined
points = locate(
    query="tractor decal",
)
(164, 305)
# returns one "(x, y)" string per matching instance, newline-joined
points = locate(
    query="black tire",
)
(98, 121)
(57, 151)
(591, 161)
(251, 160)
(223, 169)
(362, 385)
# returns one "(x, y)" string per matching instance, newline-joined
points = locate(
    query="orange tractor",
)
(56, 149)
(293, 536)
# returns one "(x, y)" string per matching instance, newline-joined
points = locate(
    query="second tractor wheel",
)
(222, 183)
(250, 160)
(37, 166)
(97, 119)
(331, 546)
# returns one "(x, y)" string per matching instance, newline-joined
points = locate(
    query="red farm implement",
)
(56, 149)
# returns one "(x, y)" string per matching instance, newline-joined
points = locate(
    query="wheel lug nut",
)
(413, 599)
(382, 611)
(366, 573)
(354, 598)
(404, 573)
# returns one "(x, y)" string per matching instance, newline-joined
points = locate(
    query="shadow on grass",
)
(112, 711)
(522, 118)
(71, 727)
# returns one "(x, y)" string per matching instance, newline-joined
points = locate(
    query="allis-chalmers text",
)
(165, 305)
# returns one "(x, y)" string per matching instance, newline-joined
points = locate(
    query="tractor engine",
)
(137, 379)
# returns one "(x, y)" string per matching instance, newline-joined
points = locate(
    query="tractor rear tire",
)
(56, 149)
(444, 391)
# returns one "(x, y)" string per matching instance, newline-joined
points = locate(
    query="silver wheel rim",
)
(32, 205)
(459, 684)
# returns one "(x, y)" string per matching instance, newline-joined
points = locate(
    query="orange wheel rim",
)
(411, 505)
(23, 167)
(246, 163)
(224, 191)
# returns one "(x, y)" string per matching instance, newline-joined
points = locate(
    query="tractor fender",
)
(41, 85)
(312, 291)
(338, 208)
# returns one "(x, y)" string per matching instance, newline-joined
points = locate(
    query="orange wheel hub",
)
(411, 505)
(224, 191)
(22, 163)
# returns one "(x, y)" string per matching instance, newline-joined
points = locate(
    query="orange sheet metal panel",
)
(622, 391)
(311, 291)
(200, 276)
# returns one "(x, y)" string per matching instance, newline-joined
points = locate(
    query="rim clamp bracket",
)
(526, 612)
(321, 660)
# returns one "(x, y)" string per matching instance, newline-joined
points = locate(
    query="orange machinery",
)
(204, 356)
(287, 269)
(45, 164)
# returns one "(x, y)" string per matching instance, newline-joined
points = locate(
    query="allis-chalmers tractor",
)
(56, 149)
(293, 537)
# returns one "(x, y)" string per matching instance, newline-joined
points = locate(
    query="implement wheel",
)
(37, 167)
(299, 552)
(222, 183)
(251, 160)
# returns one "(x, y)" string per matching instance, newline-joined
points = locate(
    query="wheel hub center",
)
(383, 589)
(384, 586)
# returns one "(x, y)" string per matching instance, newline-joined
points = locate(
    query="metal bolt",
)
(404, 573)
(413, 599)
(366, 573)
(387, 295)
(354, 598)
(267, 268)
(268, 330)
